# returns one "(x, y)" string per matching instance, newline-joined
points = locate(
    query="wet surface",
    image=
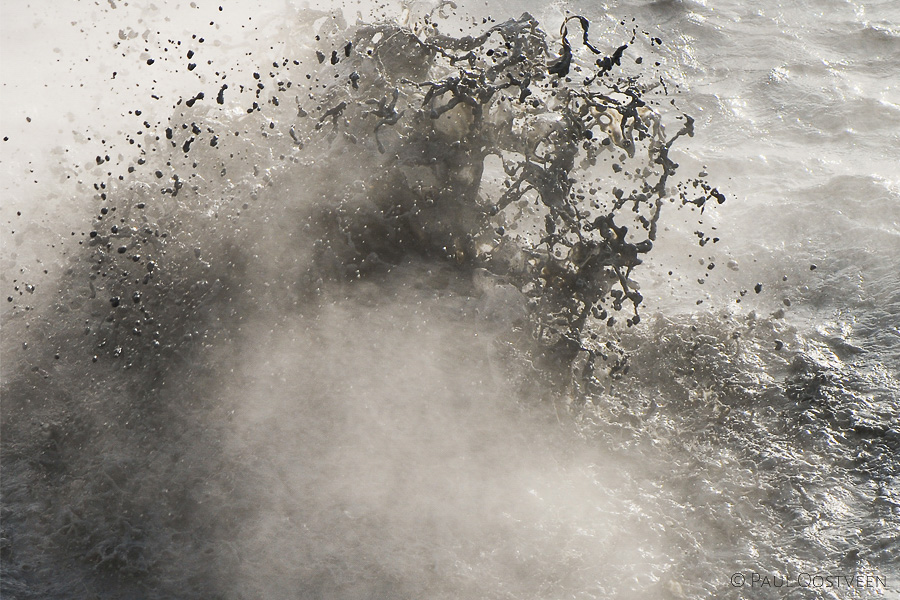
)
(384, 320)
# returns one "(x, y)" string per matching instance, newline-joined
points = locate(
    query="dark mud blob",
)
(607, 63)
(189, 103)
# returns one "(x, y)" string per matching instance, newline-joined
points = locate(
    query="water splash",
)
(487, 151)
(323, 345)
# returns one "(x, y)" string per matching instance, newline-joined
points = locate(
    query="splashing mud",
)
(351, 327)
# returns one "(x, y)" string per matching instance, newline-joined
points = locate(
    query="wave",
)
(369, 323)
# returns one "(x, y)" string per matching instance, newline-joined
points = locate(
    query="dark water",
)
(443, 304)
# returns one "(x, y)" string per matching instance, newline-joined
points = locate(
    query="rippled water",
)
(292, 355)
